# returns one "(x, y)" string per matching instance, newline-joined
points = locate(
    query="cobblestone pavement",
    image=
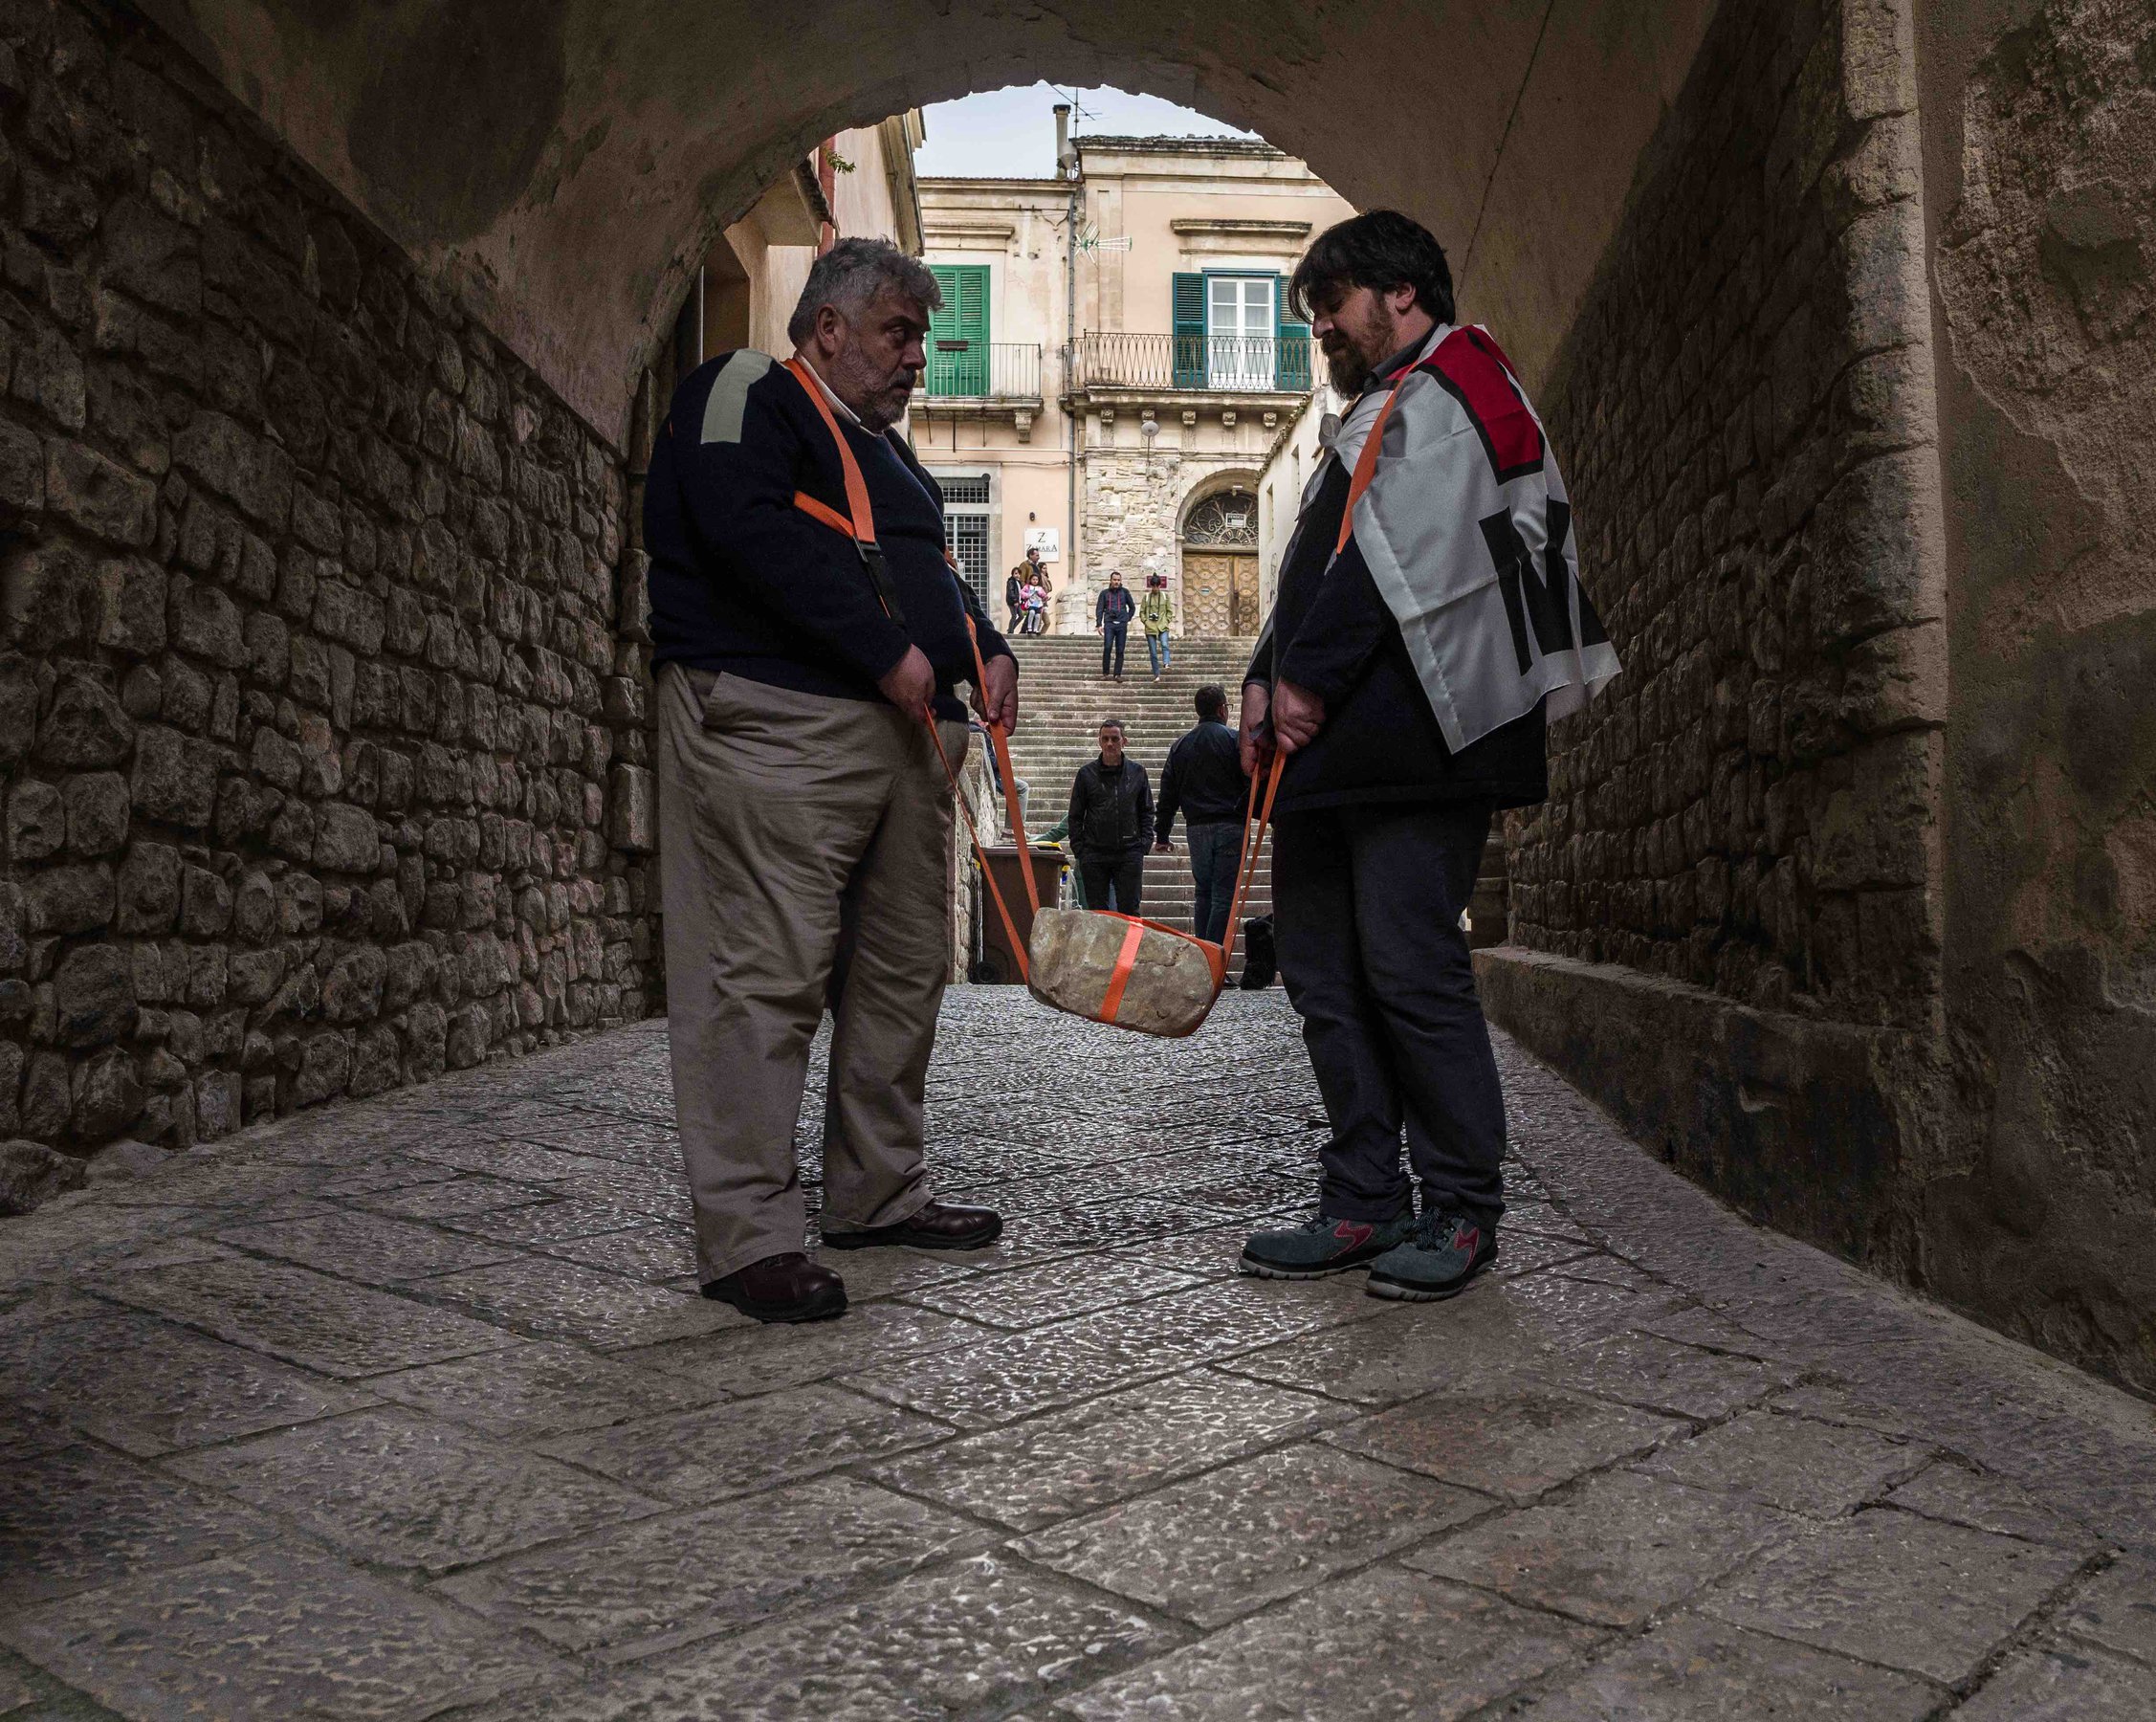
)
(409, 1408)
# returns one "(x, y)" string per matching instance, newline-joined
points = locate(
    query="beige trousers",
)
(803, 862)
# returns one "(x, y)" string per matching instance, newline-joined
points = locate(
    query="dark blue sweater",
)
(745, 584)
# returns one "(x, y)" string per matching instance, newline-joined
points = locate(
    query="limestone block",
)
(633, 811)
(86, 726)
(69, 899)
(1073, 956)
(97, 807)
(345, 840)
(148, 899)
(251, 472)
(108, 1095)
(94, 993)
(175, 777)
(30, 1174)
(36, 821)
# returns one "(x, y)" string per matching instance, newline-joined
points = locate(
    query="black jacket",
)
(745, 584)
(1204, 780)
(1107, 608)
(1332, 633)
(1111, 812)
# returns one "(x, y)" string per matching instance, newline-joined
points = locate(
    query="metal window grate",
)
(969, 546)
(964, 491)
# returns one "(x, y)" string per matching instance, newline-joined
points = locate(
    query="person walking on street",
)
(806, 819)
(1418, 646)
(1156, 615)
(1112, 611)
(1014, 586)
(1204, 780)
(1111, 823)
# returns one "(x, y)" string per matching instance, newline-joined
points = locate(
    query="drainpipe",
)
(1067, 165)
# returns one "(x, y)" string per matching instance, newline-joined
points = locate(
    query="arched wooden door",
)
(1220, 566)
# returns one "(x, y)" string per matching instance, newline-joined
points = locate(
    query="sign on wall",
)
(1047, 541)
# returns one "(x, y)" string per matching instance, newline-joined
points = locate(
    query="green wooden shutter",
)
(1291, 361)
(958, 332)
(1189, 309)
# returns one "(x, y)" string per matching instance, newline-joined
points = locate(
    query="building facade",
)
(1113, 363)
(859, 184)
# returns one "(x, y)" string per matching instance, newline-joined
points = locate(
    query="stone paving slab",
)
(1514, 1445)
(1221, 1545)
(669, 1580)
(1385, 1645)
(1792, 1463)
(411, 1408)
(1896, 1589)
(1698, 1670)
(1109, 1449)
(80, 1516)
(305, 1317)
(984, 1632)
(2063, 1684)
(404, 1490)
(272, 1635)
(1616, 1551)
(721, 1450)
(148, 1386)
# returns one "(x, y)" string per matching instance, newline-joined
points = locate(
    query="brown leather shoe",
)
(783, 1288)
(938, 1225)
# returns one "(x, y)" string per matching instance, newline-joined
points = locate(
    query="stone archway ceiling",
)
(560, 162)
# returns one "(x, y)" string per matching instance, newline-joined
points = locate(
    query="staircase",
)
(1062, 698)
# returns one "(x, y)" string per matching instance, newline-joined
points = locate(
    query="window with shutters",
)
(957, 334)
(1241, 325)
(1233, 332)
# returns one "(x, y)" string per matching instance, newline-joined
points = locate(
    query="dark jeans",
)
(1125, 872)
(1113, 637)
(1213, 851)
(1366, 904)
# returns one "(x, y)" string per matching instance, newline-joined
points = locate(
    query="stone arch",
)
(597, 175)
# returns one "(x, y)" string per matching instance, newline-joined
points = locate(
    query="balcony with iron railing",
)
(1240, 364)
(983, 370)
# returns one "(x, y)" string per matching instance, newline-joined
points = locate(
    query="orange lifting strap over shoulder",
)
(861, 528)
(858, 523)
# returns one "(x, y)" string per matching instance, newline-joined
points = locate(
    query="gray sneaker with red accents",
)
(1324, 1245)
(1446, 1251)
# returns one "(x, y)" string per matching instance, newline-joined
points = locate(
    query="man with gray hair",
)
(805, 660)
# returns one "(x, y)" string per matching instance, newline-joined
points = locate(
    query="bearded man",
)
(804, 817)
(1429, 622)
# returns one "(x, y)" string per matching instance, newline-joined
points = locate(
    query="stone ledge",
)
(1791, 1120)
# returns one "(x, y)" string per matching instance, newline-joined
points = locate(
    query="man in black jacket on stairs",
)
(1111, 824)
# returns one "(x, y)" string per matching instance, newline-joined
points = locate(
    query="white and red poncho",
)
(1468, 533)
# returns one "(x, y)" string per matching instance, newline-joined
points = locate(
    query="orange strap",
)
(1119, 976)
(1246, 869)
(1366, 463)
(861, 527)
(863, 524)
(817, 511)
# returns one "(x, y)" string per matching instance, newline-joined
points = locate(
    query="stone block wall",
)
(1743, 410)
(2041, 148)
(322, 764)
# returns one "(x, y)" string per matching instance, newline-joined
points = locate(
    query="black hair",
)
(1213, 701)
(1380, 249)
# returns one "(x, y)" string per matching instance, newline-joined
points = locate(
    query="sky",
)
(1011, 133)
